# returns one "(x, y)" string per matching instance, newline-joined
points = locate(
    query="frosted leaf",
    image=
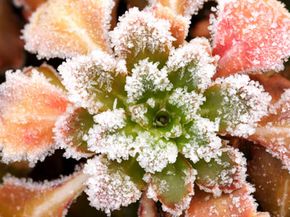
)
(136, 38)
(273, 131)
(173, 187)
(224, 173)
(93, 81)
(68, 28)
(146, 80)
(237, 204)
(19, 197)
(251, 35)
(186, 102)
(109, 189)
(179, 24)
(29, 107)
(192, 65)
(182, 7)
(106, 137)
(201, 141)
(154, 153)
(239, 103)
(70, 130)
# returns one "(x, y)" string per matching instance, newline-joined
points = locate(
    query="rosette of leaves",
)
(141, 103)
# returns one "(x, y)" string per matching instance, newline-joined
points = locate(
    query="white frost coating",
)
(65, 28)
(109, 190)
(283, 105)
(245, 102)
(146, 77)
(17, 97)
(86, 76)
(104, 138)
(154, 153)
(111, 120)
(232, 177)
(187, 102)
(194, 57)
(138, 31)
(203, 142)
(138, 114)
(256, 33)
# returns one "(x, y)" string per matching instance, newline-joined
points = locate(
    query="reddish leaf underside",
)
(251, 36)
(19, 198)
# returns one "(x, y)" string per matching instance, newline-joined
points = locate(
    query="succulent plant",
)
(147, 109)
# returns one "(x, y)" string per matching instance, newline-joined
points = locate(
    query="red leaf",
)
(251, 36)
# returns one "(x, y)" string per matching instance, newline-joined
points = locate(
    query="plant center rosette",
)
(152, 115)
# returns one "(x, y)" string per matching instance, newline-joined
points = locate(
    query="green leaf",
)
(173, 187)
(222, 174)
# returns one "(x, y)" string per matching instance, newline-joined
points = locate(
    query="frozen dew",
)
(68, 28)
(29, 107)
(225, 173)
(106, 136)
(90, 79)
(239, 102)
(192, 65)
(202, 142)
(154, 153)
(173, 186)
(139, 114)
(251, 35)
(146, 78)
(187, 102)
(139, 35)
(109, 189)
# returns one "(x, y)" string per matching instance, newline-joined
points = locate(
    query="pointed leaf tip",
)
(24, 198)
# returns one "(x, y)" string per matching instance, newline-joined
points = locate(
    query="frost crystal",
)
(203, 142)
(89, 78)
(139, 31)
(154, 153)
(146, 77)
(187, 102)
(194, 63)
(109, 189)
(245, 102)
(29, 107)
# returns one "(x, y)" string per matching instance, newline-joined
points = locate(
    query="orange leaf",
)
(68, 28)
(23, 198)
(29, 107)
